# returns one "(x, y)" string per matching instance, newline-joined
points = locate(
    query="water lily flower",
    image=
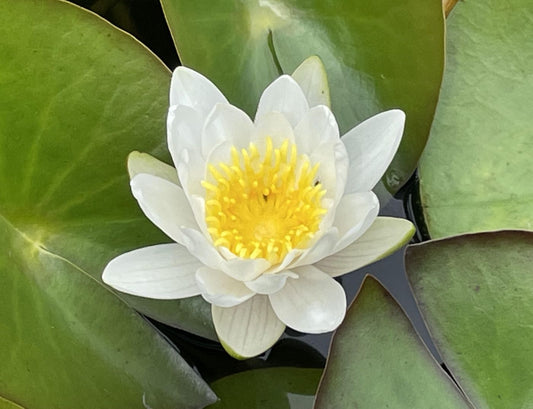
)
(263, 213)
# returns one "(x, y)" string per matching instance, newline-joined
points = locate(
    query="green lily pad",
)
(76, 96)
(476, 171)
(68, 120)
(377, 360)
(269, 388)
(476, 294)
(7, 404)
(378, 55)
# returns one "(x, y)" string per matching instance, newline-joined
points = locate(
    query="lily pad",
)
(476, 171)
(377, 360)
(64, 142)
(378, 55)
(269, 388)
(76, 96)
(476, 294)
(7, 404)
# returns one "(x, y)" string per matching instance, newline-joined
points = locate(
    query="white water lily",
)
(263, 213)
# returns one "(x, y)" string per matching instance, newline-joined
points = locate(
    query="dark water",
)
(144, 19)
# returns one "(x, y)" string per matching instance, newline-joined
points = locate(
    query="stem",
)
(448, 5)
(270, 41)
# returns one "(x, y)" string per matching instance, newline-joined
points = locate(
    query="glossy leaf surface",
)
(378, 361)
(378, 55)
(7, 404)
(269, 388)
(76, 96)
(66, 139)
(476, 172)
(476, 293)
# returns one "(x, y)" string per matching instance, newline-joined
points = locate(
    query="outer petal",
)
(165, 204)
(314, 303)
(283, 95)
(220, 289)
(192, 89)
(247, 329)
(371, 146)
(226, 123)
(384, 237)
(270, 283)
(184, 131)
(165, 271)
(312, 78)
(144, 163)
(355, 214)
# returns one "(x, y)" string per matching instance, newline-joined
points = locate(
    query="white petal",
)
(318, 126)
(220, 289)
(342, 164)
(323, 247)
(355, 214)
(333, 169)
(245, 269)
(144, 163)
(165, 204)
(289, 260)
(192, 89)
(371, 146)
(247, 329)
(384, 237)
(317, 135)
(312, 78)
(270, 283)
(202, 248)
(191, 171)
(314, 303)
(240, 269)
(284, 95)
(184, 131)
(165, 271)
(226, 123)
(274, 125)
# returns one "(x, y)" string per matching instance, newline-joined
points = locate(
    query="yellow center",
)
(264, 206)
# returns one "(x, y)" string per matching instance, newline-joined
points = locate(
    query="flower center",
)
(263, 206)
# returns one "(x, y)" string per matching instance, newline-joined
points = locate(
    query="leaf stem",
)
(448, 5)
(270, 41)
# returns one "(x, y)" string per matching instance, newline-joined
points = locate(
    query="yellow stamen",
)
(263, 207)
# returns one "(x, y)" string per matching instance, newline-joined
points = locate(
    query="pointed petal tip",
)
(189, 87)
(386, 236)
(139, 162)
(371, 147)
(398, 115)
(312, 77)
(283, 95)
